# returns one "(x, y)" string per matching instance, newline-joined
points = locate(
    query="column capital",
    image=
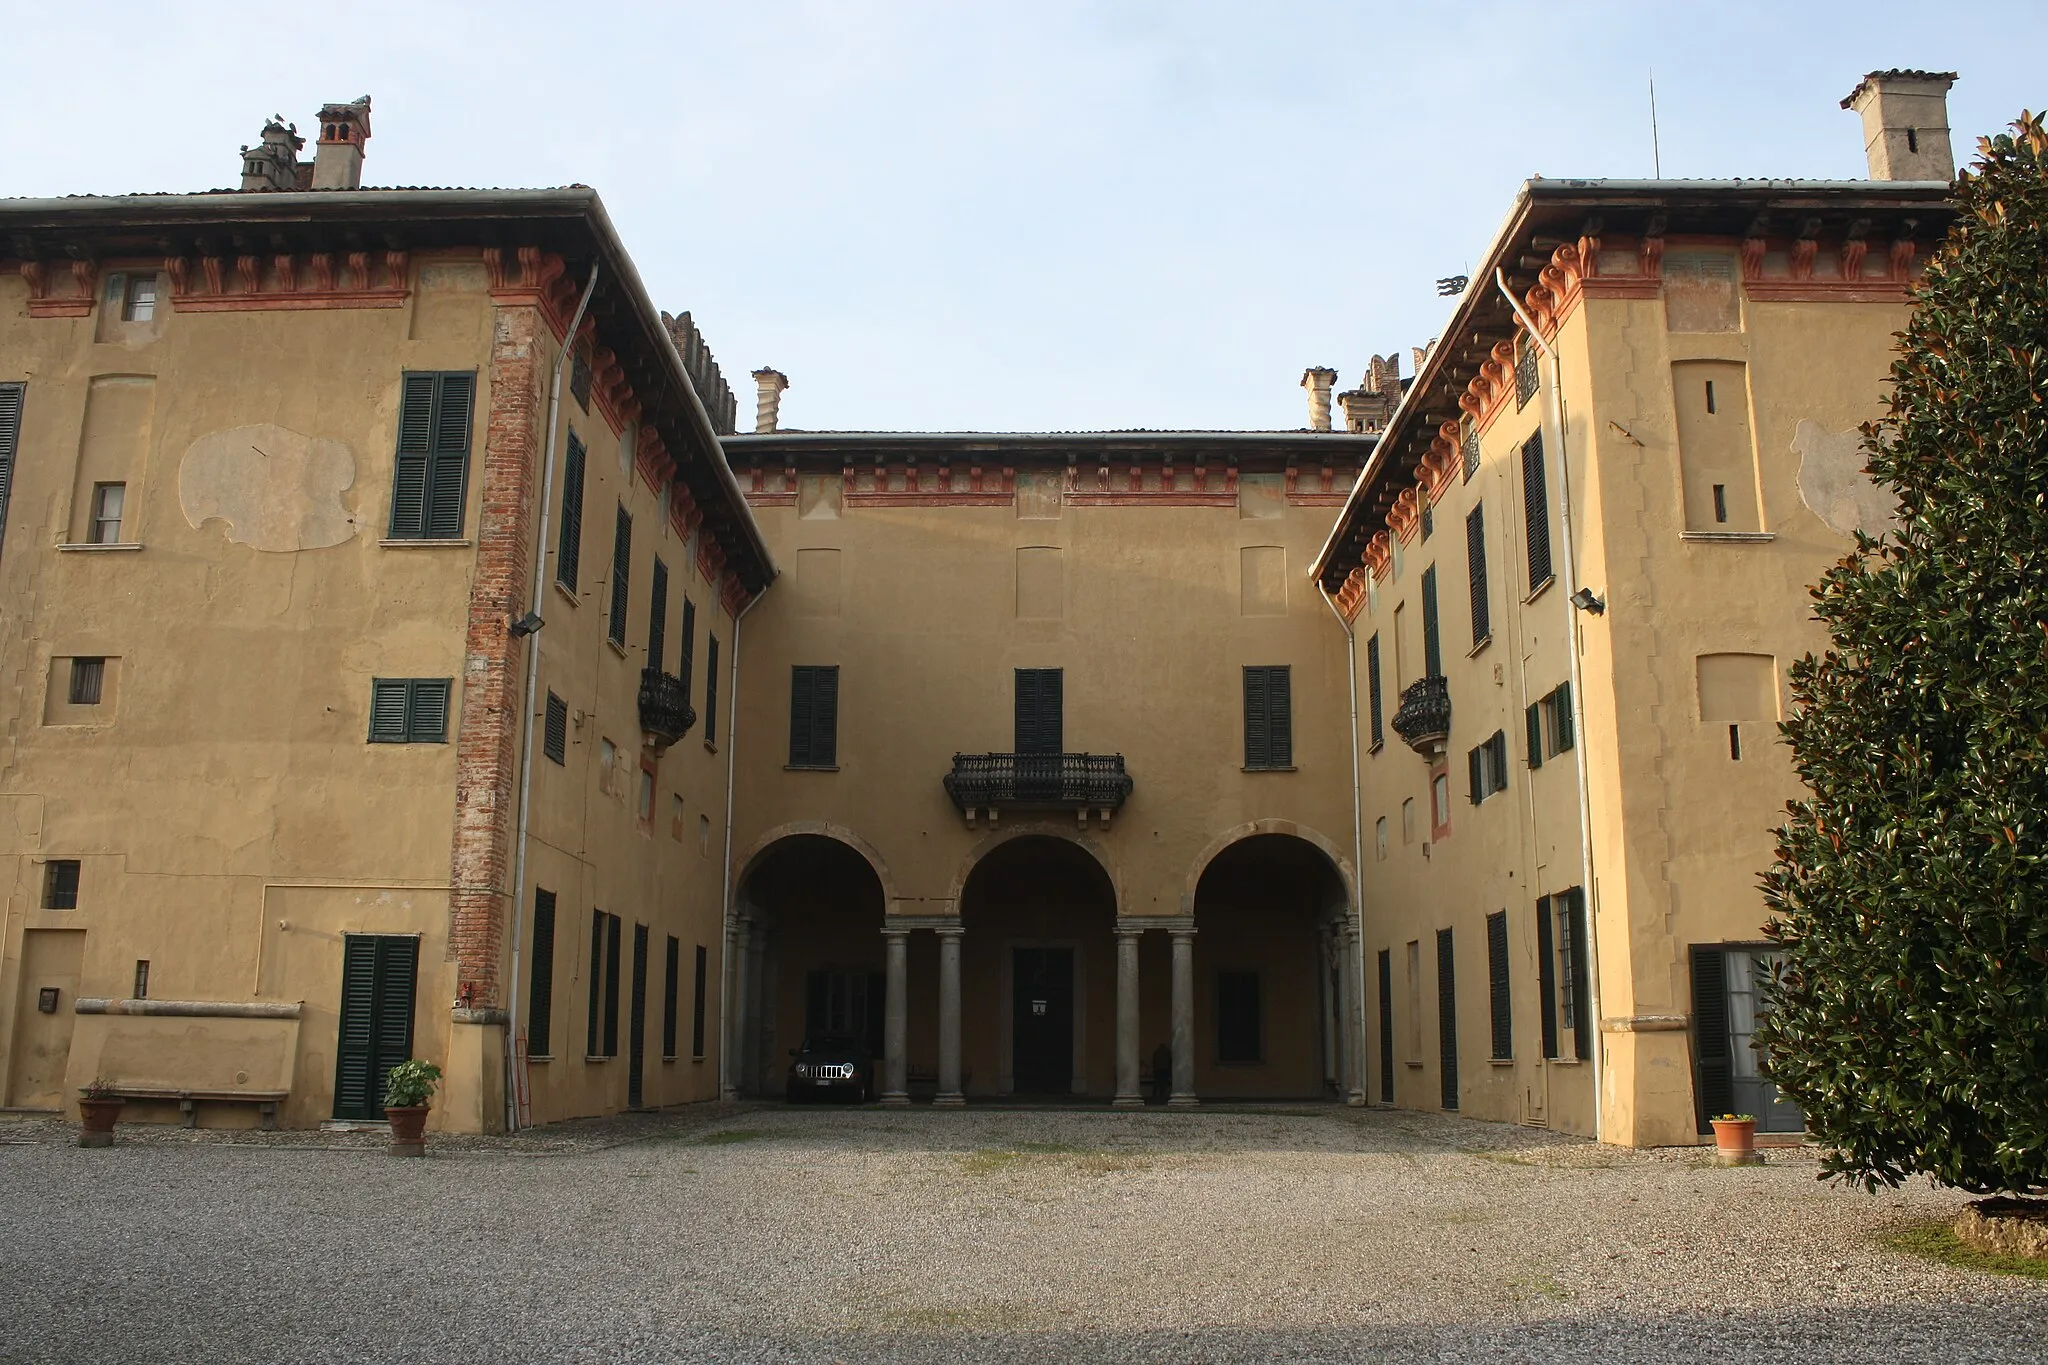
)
(948, 930)
(1140, 923)
(891, 931)
(1183, 931)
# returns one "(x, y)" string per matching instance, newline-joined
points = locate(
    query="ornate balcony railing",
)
(664, 706)
(1076, 782)
(1423, 720)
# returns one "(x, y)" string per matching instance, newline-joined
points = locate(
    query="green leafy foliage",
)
(411, 1084)
(1911, 891)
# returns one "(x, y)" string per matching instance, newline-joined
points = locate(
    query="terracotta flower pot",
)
(1735, 1142)
(98, 1117)
(408, 1129)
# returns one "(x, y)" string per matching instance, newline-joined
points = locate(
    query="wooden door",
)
(378, 975)
(1042, 1019)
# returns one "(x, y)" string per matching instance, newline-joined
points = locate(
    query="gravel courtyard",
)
(769, 1234)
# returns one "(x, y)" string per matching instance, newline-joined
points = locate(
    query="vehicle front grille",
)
(826, 1071)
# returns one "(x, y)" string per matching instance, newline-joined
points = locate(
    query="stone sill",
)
(1539, 590)
(1473, 652)
(68, 547)
(617, 648)
(567, 593)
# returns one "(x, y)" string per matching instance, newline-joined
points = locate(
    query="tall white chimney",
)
(1319, 380)
(768, 387)
(1905, 124)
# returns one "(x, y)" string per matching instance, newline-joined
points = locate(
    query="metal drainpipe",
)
(540, 584)
(1554, 419)
(732, 749)
(1358, 1095)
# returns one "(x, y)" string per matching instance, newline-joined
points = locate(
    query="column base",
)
(1128, 1102)
(895, 1099)
(1356, 1099)
(950, 1100)
(1183, 1102)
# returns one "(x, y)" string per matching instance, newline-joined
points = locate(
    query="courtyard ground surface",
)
(773, 1234)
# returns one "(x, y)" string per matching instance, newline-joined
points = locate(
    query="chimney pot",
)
(338, 156)
(1319, 380)
(1905, 124)
(768, 387)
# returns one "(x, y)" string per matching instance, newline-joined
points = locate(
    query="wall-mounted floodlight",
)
(526, 625)
(1585, 601)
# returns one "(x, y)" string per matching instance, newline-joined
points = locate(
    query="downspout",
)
(732, 749)
(1356, 1027)
(1554, 420)
(540, 583)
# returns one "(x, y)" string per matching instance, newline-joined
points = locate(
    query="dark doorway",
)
(636, 1032)
(378, 972)
(1042, 987)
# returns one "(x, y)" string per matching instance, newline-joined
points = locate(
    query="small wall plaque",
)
(46, 1000)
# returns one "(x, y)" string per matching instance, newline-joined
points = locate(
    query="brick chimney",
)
(1367, 408)
(338, 157)
(1905, 124)
(768, 387)
(1319, 380)
(273, 163)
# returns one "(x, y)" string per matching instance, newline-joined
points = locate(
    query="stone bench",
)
(266, 1101)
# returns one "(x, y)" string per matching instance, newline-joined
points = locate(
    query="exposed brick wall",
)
(487, 741)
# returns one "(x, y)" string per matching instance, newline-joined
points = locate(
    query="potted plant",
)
(407, 1093)
(1735, 1140)
(98, 1108)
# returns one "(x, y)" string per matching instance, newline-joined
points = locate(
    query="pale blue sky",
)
(1028, 216)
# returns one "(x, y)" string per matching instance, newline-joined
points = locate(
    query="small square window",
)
(141, 979)
(138, 300)
(409, 710)
(88, 678)
(60, 884)
(107, 501)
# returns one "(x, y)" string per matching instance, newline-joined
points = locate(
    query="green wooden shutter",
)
(1447, 1018)
(1497, 754)
(657, 613)
(593, 1036)
(390, 700)
(397, 975)
(1475, 573)
(697, 1001)
(1432, 644)
(825, 716)
(1546, 975)
(1561, 716)
(711, 689)
(1711, 1046)
(1536, 510)
(540, 979)
(12, 398)
(669, 990)
(1040, 723)
(1258, 743)
(427, 711)
(414, 455)
(448, 459)
(636, 1028)
(611, 985)
(1372, 678)
(569, 546)
(1499, 1001)
(1386, 1026)
(1280, 716)
(687, 660)
(1533, 725)
(622, 566)
(354, 1059)
(1475, 773)
(1584, 1025)
(555, 741)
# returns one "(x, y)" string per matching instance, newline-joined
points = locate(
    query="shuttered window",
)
(430, 472)
(1500, 1005)
(687, 658)
(1447, 1018)
(814, 715)
(1432, 640)
(409, 710)
(711, 689)
(672, 967)
(622, 567)
(1471, 451)
(697, 1009)
(593, 1036)
(1533, 723)
(555, 732)
(1372, 687)
(569, 545)
(1536, 511)
(1559, 706)
(1475, 574)
(1713, 1059)
(1040, 727)
(12, 397)
(1578, 998)
(1546, 974)
(636, 1030)
(1268, 717)
(1237, 1017)
(540, 979)
(657, 617)
(1487, 767)
(611, 985)
(378, 972)
(1386, 1026)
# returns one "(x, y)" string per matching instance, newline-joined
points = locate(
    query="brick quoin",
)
(487, 740)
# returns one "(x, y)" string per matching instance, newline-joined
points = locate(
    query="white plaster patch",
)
(275, 489)
(1832, 482)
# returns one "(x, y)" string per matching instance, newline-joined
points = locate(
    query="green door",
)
(378, 973)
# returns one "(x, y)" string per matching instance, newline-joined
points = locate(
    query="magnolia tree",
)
(1910, 1021)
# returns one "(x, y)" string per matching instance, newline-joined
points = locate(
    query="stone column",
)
(896, 1020)
(949, 1019)
(1129, 1094)
(755, 1067)
(1183, 1018)
(735, 1007)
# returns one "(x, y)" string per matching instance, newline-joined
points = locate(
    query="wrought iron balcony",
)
(1424, 719)
(1076, 782)
(664, 706)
